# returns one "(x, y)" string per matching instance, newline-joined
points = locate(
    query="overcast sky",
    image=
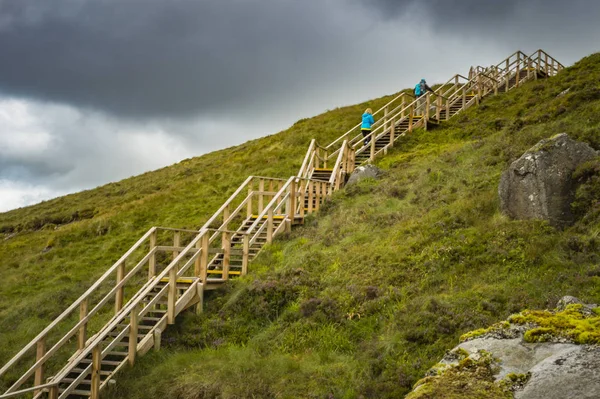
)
(93, 91)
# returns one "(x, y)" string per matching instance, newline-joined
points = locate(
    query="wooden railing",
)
(104, 300)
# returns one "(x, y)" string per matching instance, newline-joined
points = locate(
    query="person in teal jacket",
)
(420, 90)
(367, 122)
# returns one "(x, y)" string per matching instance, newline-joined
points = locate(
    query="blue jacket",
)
(367, 121)
(421, 88)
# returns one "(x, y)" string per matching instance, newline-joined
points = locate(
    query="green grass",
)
(367, 296)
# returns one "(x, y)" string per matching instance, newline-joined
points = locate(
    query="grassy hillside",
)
(357, 303)
(51, 252)
(363, 300)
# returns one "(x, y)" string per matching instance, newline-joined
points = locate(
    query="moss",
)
(472, 377)
(498, 327)
(572, 324)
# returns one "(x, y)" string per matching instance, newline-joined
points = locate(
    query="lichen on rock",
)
(535, 354)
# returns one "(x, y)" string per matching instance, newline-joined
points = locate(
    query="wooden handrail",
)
(75, 305)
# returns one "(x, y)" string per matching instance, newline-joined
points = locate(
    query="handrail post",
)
(133, 333)
(518, 75)
(176, 243)
(53, 392)
(203, 266)
(427, 112)
(302, 196)
(172, 295)
(447, 109)
(325, 155)
(310, 187)
(402, 108)
(385, 120)
(411, 115)
(372, 149)
(82, 335)
(96, 366)
(292, 202)
(40, 351)
(120, 290)
(245, 254)
(226, 214)
(226, 241)
(270, 226)
(152, 260)
(249, 206)
(261, 189)
(392, 133)
(318, 195)
(438, 106)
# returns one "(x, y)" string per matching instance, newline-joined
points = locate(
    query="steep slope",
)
(51, 252)
(364, 301)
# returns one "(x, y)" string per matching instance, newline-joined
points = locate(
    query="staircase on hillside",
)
(123, 314)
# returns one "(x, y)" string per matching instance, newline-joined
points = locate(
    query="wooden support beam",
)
(203, 257)
(270, 226)
(152, 260)
(372, 149)
(176, 243)
(200, 305)
(292, 201)
(157, 339)
(53, 392)
(120, 291)
(172, 295)
(245, 254)
(310, 196)
(226, 241)
(40, 351)
(249, 210)
(82, 334)
(96, 366)
(261, 188)
(392, 132)
(133, 333)
(226, 214)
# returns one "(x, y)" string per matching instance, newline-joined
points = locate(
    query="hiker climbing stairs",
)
(123, 314)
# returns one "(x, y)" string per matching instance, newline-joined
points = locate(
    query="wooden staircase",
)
(123, 314)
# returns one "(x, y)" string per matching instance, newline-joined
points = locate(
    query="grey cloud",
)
(155, 58)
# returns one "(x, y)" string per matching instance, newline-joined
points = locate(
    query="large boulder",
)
(364, 172)
(539, 185)
(532, 355)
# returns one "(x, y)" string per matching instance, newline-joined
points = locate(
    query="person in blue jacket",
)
(367, 122)
(420, 91)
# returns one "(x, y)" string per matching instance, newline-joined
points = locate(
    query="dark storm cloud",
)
(554, 17)
(159, 58)
(156, 58)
